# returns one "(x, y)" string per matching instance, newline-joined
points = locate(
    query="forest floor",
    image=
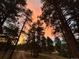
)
(27, 55)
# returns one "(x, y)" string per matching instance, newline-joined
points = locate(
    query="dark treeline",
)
(10, 13)
(63, 14)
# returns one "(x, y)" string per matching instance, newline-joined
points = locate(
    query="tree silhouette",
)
(58, 44)
(53, 9)
(28, 17)
(43, 44)
(9, 9)
(49, 45)
(10, 12)
(34, 33)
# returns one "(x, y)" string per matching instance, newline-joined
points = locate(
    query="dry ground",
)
(27, 55)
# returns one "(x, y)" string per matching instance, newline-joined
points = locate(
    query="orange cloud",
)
(48, 31)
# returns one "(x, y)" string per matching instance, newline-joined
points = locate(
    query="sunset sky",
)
(35, 7)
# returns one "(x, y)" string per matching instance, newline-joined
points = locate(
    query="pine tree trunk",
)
(67, 31)
(1, 28)
(1, 24)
